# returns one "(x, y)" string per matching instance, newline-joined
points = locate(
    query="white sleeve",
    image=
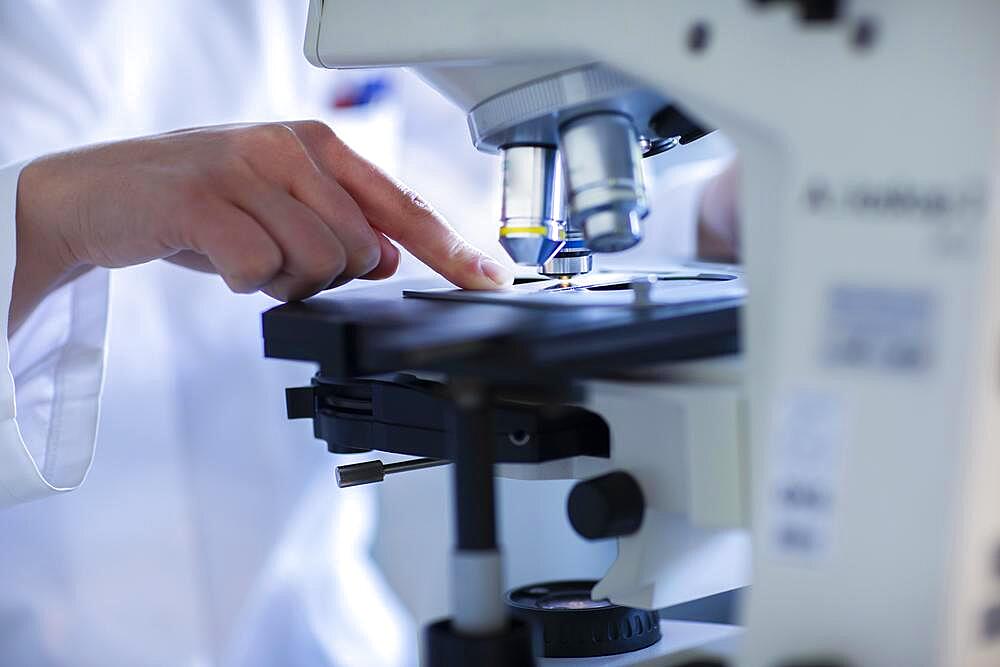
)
(56, 362)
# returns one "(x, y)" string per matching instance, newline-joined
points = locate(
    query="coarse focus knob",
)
(607, 506)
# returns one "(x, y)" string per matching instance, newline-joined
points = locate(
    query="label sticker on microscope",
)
(952, 215)
(884, 329)
(804, 472)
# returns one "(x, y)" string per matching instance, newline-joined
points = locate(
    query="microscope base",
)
(510, 648)
(684, 644)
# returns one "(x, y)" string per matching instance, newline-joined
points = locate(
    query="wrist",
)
(41, 216)
(45, 257)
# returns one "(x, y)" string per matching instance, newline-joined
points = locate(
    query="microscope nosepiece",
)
(531, 229)
(603, 168)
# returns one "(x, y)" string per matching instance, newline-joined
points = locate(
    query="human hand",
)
(284, 208)
(718, 218)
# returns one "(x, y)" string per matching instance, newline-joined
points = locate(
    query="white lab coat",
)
(208, 532)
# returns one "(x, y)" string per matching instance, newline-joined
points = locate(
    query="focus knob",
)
(607, 506)
(570, 624)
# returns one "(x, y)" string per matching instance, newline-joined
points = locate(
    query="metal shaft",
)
(476, 580)
(414, 464)
(367, 472)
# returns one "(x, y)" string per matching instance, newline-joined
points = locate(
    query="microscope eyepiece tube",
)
(603, 169)
(531, 216)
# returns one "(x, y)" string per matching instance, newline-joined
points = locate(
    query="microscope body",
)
(870, 153)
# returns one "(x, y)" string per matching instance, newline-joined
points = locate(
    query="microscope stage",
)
(592, 327)
(675, 286)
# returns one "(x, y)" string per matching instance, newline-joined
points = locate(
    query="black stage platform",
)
(372, 330)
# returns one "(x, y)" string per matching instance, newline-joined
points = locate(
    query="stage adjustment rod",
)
(356, 474)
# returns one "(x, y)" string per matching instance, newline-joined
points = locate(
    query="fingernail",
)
(497, 272)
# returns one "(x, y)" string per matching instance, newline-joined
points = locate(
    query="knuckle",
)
(281, 292)
(278, 134)
(238, 141)
(316, 134)
(458, 250)
(272, 151)
(238, 151)
(239, 283)
(329, 267)
(464, 257)
(298, 288)
(324, 266)
(255, 271)
(236, 155)
(266, 140)
(317, 128)
(368, 257)
(278, 291)
(413, 203)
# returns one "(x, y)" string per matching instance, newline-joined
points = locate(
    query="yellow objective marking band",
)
(507, 231)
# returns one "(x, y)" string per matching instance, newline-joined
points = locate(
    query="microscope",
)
(830, 406)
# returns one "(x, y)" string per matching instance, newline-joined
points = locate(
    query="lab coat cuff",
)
(53, 370)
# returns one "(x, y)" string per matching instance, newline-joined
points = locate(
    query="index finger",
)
(401, 214)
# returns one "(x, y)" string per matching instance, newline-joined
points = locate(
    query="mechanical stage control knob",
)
(568, 623)
(611, 505)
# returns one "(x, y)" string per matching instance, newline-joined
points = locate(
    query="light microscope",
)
(830, 407)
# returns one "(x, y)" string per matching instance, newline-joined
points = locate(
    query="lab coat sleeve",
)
(55, 361)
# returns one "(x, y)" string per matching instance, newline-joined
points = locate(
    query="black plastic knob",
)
(444, 646)
(607, 506)
(569, 624)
